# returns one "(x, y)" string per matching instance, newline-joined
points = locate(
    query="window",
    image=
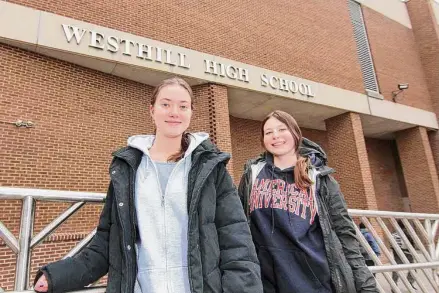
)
(363, 49)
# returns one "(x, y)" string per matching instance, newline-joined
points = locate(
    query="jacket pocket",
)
(289, 267)
(212, 282)
(316, 278)
(114, 251)
(341, 264)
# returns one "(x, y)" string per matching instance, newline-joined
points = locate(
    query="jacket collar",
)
(133, 156)
(130, 155)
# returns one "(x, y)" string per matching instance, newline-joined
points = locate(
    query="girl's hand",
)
(41, 285)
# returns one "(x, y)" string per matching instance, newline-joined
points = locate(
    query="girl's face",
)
(172, 111)
(278, 140)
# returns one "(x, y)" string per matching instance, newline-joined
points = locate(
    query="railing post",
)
(23, 258)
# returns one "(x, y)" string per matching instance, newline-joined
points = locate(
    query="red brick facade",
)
(280, 36)
(419, 170)
(348, 154)
(426, 32)
(82, 115)
(395, 63)
(384, 164)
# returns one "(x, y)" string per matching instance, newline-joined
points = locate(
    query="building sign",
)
(224, 70)
(278, 83)
(129, 48)
(172, 58)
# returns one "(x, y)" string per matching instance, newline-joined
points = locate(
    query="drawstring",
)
(272, 201)
(147, 171)
(287, 195)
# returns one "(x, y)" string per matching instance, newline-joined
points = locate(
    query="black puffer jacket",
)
(349, 273)
(221, 254)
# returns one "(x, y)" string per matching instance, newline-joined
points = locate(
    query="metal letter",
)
(283, 85)
(113, 42)
(69, 34)
(141, 51)
(272, 79)
(303, 89)
(231, 71)
(210, 67)
(222, 70)
(264, 80)
(168, 58)
(182, 58)
(293, 86)
(96, 40)
(158, 55)
(243, 74)
(127, 46)
(310, 93)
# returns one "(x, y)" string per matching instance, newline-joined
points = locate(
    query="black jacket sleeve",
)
(344, 228)
(239, 264)
(242, 191)
(89, 265)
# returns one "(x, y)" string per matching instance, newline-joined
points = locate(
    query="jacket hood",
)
(145, 142)
(315, 152)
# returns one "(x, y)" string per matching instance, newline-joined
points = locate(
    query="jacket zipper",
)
(162, 196)
(247, 177)
(133, 218)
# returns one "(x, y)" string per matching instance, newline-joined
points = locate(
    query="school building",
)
(360, 77)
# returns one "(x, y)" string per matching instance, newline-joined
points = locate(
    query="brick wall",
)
(419, 170)
(396, 60)
(426, 32)
(80, 117)
(246, 143)
(284, 36)
(348, 155)
(383, 167)
(7, 267)
(212, 102)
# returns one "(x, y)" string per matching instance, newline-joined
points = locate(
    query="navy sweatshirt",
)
(287, 234)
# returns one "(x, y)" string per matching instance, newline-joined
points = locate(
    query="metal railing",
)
(25, 243)
(419, 234)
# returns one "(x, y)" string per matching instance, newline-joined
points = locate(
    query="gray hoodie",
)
(162, 221)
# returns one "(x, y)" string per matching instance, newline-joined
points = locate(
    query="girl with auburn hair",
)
(172, 220)
(304, 237)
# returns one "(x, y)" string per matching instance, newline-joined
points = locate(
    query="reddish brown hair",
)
(301, 177)
(185, 139)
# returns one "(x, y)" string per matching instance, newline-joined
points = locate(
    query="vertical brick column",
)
(434, 144)
(426, 32)
(348, 155)
(211, 101)
(419, 170)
